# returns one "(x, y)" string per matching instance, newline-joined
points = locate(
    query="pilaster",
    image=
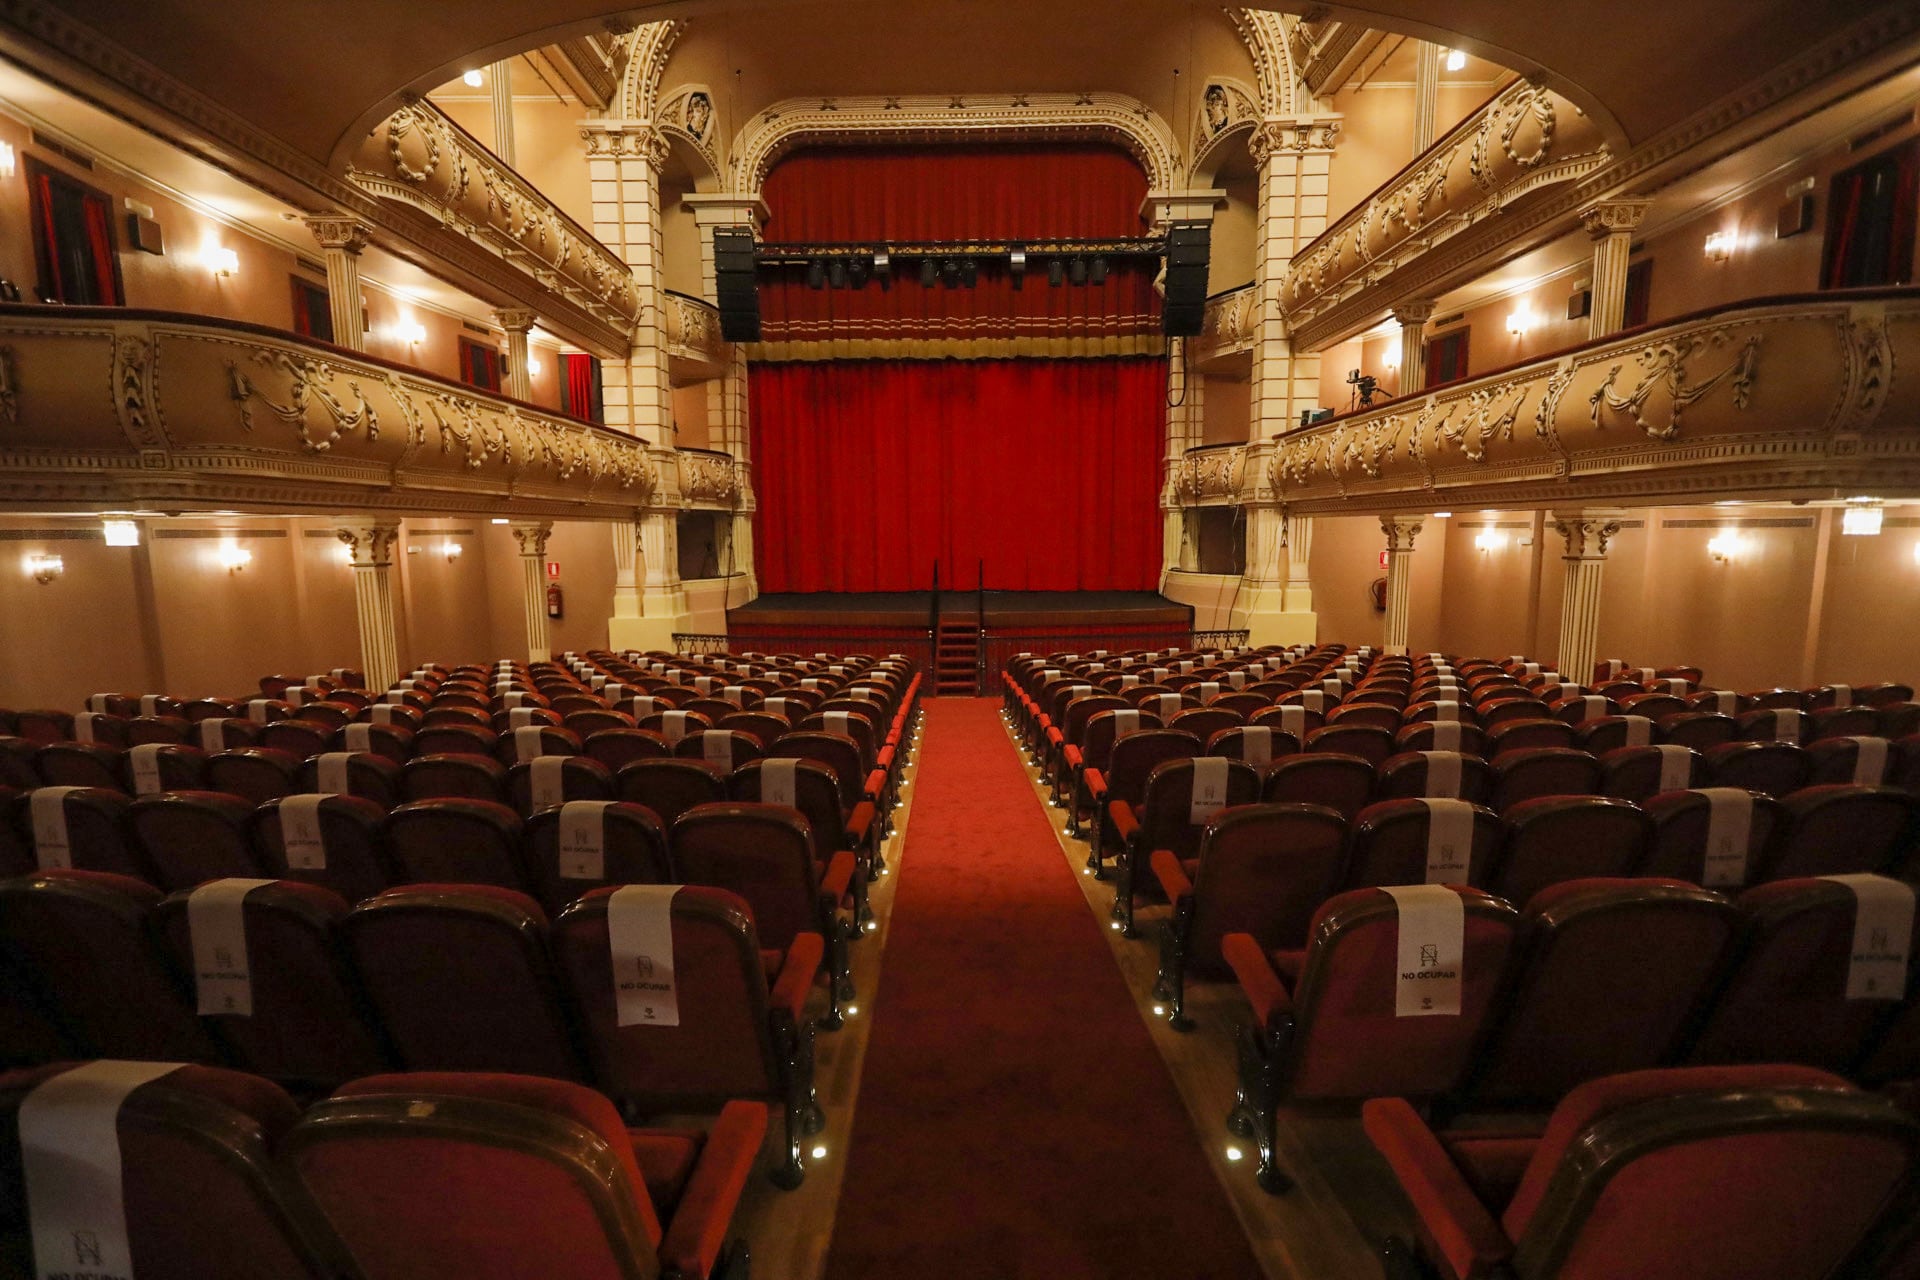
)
(517, 321)
(1413, 316)
(1611, 224)
(342, 239)
(623, 172)
(1295, 157)
(1586, 534)
(370, 542)
(532, 540)
(1400, 531)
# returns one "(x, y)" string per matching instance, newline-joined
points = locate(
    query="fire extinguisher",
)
(553, 601)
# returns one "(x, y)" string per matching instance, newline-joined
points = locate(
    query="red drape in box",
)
(869, 472)
(952, 192)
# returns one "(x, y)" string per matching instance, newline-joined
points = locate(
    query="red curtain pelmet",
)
(946, 193)
(870, 472)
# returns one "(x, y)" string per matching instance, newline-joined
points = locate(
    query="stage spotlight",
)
(950, 273)
(1017, 265)
(837, 273)
(1056, 273)
(857, 270)
(928, 270)
(1097, 271)
(883, 269)
(969, 272)
(816, 274)
(1077, 270)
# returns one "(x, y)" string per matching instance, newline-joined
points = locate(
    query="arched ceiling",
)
(315, 77)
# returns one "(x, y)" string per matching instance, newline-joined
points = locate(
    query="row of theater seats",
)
(112, 1168)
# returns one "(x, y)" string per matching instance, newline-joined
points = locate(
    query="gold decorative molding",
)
(646, 63)
(709, 480)
(1268, 42)
(420, 159)
(1780, 398)
(1470, 188)
(695, 349)
(115, 407)
(1210, 476)
(1108, 117)
(688, 113)
(1229, 327)
(1329, 50)
(1227, 107)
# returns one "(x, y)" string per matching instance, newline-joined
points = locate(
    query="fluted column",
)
(500, 84)
(517, 321)
(532, 540)
(370, 543)
(1586, 534)
(626, 562)
(1299, 535)
(1611, 224)
(1400, 531)
(341, 241)
(1426, 94)
(1413, 316)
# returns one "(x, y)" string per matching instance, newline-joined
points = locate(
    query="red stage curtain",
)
(949, 193)
(868, 472)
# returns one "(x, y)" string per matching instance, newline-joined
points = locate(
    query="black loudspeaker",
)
(1185, 307)
(735, 286)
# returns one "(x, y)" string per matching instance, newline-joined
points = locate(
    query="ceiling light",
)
(121, 533)
(1862, 517)
(473, 79)
(1441, 515)
(1456, 60)
(501, 520)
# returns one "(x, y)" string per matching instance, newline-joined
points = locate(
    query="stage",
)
(1004, 622)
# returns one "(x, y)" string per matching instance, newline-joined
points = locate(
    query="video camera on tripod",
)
(1365, 386)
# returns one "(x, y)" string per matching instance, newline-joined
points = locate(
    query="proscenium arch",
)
(1096, 117)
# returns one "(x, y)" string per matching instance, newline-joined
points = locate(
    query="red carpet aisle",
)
(1014, 1118)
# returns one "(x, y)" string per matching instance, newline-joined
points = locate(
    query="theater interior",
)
(848, 640)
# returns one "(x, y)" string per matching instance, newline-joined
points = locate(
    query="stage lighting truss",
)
(954, 264)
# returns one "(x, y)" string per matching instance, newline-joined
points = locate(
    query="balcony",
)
(464, 205)
(695, 349)
(1509, 173)
(1781, 398)
(1228, 328)
(710, 480)
(207, 414)
(1210, 476)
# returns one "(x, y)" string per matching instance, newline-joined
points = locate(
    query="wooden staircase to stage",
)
(956, 657)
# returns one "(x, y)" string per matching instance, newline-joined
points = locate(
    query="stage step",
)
(957, 659)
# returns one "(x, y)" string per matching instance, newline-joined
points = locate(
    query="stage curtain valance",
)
(932, 192)
(1044, 471)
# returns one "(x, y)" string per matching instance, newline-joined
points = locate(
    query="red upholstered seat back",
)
(1370, 742)
(616, 748)
(82, 764)
(1166, 820)
(671, 787)
(1682, 821)
(1559, 837)
(96, 831)
(80, 940)
(1263, 869)
(763, 853)
(1717, 1174)
(1699, 729)
(1410, 775)
(1841, 829)
(1541, 771)
(256, 774)
(1609, 972)
(452, 776)
(188, 837)
(456, 841)
(353, 831)
(1635, 773)
(1348, 1043)
(459, 977)
(581, 778)
(1135, 756)
(1389, 844)
(202, 1195)
(1343, 783)
(723, 1047)
(634, 852)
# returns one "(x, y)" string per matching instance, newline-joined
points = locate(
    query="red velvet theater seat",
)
(366, 774)
(1720, 1173)
(1686, 846)
(670, 787)
(1441, 775)
(453, 775)
(1325, 1026)
(1840, 830)
(1261, 870)
(500, 1177)
(1556, 838)
(743, 1031)
(96, 831)
(1638, 773)
(1394, 842)
(351, 858)
(456, 841)
(188, 837)
(1124, 782)
(1541, 771)
(632, 850)
(203, 1194)
(255, 774)
(459, 977)
(1342, 782)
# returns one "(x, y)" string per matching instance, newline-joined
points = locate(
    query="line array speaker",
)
(735, 285)
(1186, 302)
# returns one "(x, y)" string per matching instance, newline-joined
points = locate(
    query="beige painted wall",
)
(1375, 142)
(1227, 411)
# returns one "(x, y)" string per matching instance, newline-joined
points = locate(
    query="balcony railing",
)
(419, 158)
(1483, 186)
(695, 349)
(103, 407)
(1230, 325)
(1210, 476)
(1777, 397)
(710, 480)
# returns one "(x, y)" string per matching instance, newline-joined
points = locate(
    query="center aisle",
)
(1014, 1119)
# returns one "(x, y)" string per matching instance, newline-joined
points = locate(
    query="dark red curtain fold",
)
(577, 396)
(870, 472)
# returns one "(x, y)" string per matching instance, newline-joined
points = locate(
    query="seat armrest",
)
(1096, 783)
(876, 784)
(796, 974)
(1267, 994)
(1460, 1229)
(839, 877)
(698, 1231)
(860, 824)
(1120, 813)
(1074, 758)
(1171, 875)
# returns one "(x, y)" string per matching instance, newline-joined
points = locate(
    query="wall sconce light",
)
(8, 163)
(1489, 540)
(121, 533)
(1861, 518)
(225, 262)
(533, 367)
(451, 550)
(1726, 546)
(1390, 359)
(1720, 246)
(413, 332)
(344, 554)
(45, 568)
(1456, 60)
(1916, 553)
(233, 559)
(1520, 321)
